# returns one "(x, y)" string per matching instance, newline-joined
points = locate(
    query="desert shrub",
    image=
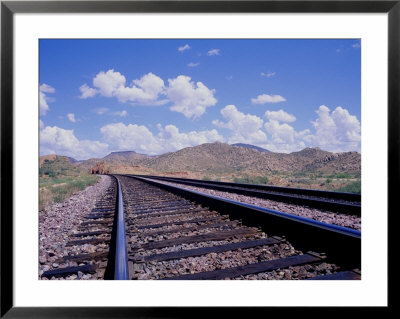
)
(354, 187)
(343, 175)
(52, 173)
(251, 180)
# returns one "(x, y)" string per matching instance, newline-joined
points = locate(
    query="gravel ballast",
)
(58, 221)
(344, 220)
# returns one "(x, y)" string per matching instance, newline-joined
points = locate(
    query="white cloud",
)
(246, 128)
(189, 98)
(356, 45)
(87, 91)
(280, 116)
(173, 140)
(280, 133)
(112, 84)
(268, 75)
(41, 124)
(338, 131)
(140, 139)
(43, 99)
(71, 117)
(265, 98)
(192, 64)
(55, 140)
(46, 88)
(43, 106)
(108, 82)
(283, 137)
(184, 48)
(131, 137)
(213, 52)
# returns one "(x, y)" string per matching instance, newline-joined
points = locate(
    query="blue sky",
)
(157, 96)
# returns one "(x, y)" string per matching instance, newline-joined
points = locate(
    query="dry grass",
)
(59, 189)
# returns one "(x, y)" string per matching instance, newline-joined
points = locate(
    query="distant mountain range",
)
(221, 158)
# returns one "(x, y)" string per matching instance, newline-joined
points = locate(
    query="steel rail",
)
(121, 271)
(290, 190)
(353, 209)
(340, 243)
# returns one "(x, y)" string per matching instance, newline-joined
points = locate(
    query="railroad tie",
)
(249, 269)
(219, 235)
(61, 272)
(207, 250)
(186, 229)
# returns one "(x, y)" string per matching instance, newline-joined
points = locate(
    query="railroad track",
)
(169, 233)
(348, 203)
(96, 233)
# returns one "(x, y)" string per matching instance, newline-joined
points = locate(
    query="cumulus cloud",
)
(280, 133)
(173, 140)
(189, 98)
(108, 82)
(337, 131)
(87, 91)
(265, 98)
(213, 52)
(192, 64)
(46, 88)
(71, 117)
(283, 137)
(55, 140)
(140, 139)
(43, 98)
(112, 84)
(131, 137)
(246, 128)
(280, 115)
(41, 124)
(184, 48)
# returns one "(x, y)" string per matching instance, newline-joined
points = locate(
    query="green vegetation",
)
(251, 179)
(354, 187)
(340, 175)
(60, 166)
(59, 179)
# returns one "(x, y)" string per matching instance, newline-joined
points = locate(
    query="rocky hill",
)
(224, 159)
(125, 157)
(349, 162)
(257, 148)
(55, 165)
(220, 158)
(114, 159)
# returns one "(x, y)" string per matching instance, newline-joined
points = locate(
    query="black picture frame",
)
(9, 8)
